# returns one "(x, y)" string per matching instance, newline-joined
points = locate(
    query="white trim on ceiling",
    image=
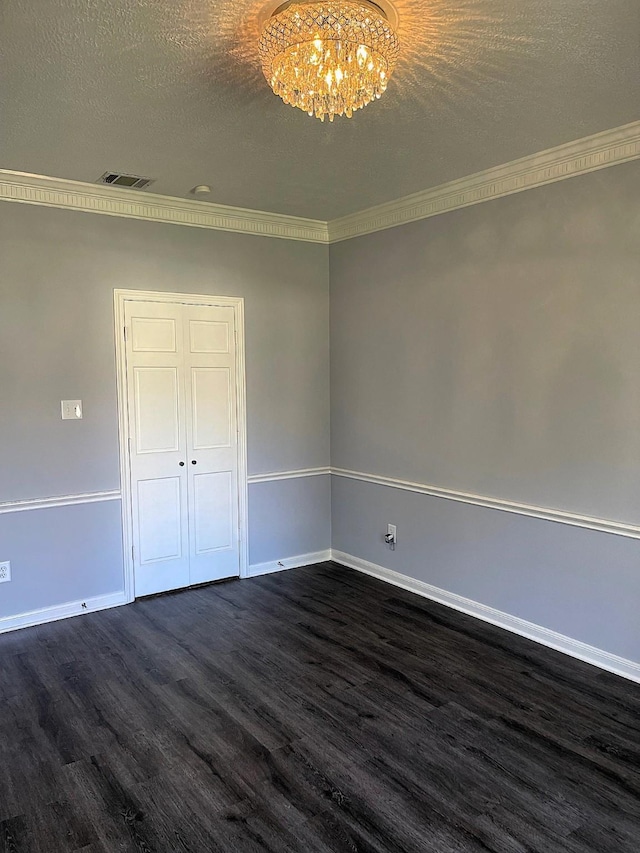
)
(135, 204)
(555, 164)
(618, 145)
(573, 519)
(545, 636)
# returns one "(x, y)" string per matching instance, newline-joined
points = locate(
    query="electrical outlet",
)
(392, 537)
(5, 572)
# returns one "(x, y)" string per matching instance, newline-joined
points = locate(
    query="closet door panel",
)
(212, 439)
(158, 444)
(212, 407)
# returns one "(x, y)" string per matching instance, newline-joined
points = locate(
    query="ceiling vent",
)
(132, 182)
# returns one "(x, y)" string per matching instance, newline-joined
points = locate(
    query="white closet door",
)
(156, 412)
(212, 442)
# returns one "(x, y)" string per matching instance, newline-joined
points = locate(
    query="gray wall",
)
(579, 582)
(305, 502)
(491, 350)
(58, 270)
(495, 350)
(60, 554)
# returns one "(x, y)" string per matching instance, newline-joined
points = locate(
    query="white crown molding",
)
(599, 151)
(287, 475)
(544, 513)
(135, 204)
(62, 500)
(61, 611)
(258, 569)
(545, 636)
(555, 164)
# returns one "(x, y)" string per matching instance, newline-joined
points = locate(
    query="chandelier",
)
(328, 57)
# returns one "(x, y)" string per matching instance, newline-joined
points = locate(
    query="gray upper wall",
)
(495, 349)
(58, 270)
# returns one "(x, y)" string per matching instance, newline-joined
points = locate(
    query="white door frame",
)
(120, 297)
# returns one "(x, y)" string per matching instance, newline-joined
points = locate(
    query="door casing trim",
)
(120, 298)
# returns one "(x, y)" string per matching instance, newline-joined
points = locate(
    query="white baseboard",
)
(61, 611)
(575, 648)
(289, 563)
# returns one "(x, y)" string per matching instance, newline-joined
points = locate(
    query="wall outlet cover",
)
(5, 572)
(71, 410)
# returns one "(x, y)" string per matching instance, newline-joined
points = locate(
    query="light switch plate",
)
(71, 410)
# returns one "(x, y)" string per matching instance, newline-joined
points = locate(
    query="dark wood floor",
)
(314, 711)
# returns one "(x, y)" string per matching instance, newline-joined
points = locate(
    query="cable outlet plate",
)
(5, 572)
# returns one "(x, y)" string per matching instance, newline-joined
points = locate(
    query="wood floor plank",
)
(312, 711)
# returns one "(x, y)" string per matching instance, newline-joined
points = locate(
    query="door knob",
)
(194, 462)
(181, 464)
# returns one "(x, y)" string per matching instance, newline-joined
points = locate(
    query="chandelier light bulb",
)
(328, 58)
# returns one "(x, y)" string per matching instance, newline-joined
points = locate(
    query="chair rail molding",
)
(602, 525)
(288, 475)
(116, 495)
(598, 151)
(61, 500)
(135, 204)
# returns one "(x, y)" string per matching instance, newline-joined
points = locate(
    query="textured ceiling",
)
(172, 89)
